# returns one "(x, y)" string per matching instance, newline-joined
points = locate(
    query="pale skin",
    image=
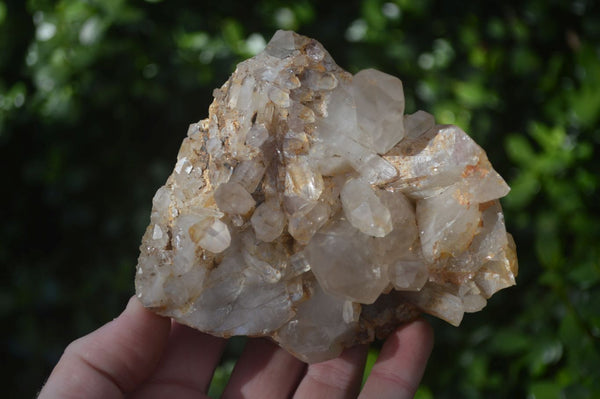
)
(142, 355)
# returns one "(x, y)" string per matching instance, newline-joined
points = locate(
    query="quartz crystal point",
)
(308, 208)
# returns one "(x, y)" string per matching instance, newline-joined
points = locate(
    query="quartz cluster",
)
(310, 209)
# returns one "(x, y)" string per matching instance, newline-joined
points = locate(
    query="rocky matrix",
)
(308, 208)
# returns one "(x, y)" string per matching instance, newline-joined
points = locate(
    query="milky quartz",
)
(308, 208)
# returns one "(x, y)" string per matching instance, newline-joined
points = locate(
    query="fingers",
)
(335, 378)
(112, 360)
(264, 370)
(187, 366)
(401, 363)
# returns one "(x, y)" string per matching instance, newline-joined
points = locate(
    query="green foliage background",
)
(96, 96)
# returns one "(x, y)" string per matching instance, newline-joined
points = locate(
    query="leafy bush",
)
(96, 96)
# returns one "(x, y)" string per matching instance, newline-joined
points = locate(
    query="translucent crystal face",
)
(307, 207)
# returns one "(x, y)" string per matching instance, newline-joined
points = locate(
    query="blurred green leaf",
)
(2, 12)
(423, 393)
(523, 189)
(510, 342)
(233, 35)
(524, 61)
(543, 354)
(585, 100)
(371, 11)
(371, 359)
(473, 94)
(545, 390)
(193, 40)
(519, 150)
(220, 378)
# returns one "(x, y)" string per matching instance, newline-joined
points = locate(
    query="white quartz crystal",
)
(232, 197)
(268, 221)
(341, 259)
(379, 100)
(364, 209)
(310, 209)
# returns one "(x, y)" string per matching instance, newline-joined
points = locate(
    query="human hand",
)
(142, 355)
